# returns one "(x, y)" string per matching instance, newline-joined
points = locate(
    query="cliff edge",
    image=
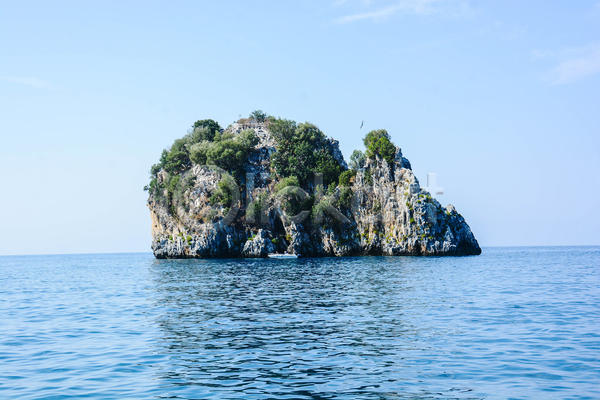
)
(267, 185)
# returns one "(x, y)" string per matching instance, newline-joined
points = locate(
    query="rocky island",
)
(266, 185)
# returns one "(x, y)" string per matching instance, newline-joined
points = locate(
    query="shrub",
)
(378, 143)
(293, 201)
(345, 198)
(258, 115)
(222, 195)
(285, 182)
(357, 160)
(301, 151)
(227, 151)
(253, 212)
(368, 177)
(206, 129)
(346, 176)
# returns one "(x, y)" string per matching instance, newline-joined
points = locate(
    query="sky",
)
(499, 98)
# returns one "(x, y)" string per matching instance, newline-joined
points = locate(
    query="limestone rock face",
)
(387, 213)
(259, 246)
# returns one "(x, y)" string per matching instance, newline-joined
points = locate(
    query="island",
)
(268, 185)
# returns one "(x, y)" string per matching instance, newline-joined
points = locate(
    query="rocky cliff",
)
(383, 211)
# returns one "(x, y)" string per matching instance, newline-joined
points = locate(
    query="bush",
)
(368, 177)
(293, 201)
(222, 195)
(253, 212)
(258, 115)
(378, 143)
(357, 160)
(346, 176)
(345, 198)
(205, 129)
(302, 150)
(227, 151)
(285, 182)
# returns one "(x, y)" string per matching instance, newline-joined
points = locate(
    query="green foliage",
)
(302, 150)
(282, 129)
(346, 176)
(206, 129)
(357, 160)
(345, 199)
(378, 143)
(177, 159)
(226, 151)
(291, 201)
(331, 189)
(285, 182)
(155, 169)
(222, 195)
(198, 152)
(258, 115)
(253, 212)
(368, 177)
(153, 186)
(173, 182)
(247, 139)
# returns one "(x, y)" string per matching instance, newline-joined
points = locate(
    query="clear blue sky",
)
(499, 98)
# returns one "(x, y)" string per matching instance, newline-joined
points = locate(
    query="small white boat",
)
(282, 256)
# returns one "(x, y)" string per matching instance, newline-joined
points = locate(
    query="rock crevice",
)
(386, 212)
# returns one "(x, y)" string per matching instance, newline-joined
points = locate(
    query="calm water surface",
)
(518, 323)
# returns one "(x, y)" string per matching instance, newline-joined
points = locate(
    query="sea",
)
(512, 323)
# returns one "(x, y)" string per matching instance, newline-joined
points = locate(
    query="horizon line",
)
(150, 252)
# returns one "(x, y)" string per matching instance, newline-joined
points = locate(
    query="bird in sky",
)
(361, 124)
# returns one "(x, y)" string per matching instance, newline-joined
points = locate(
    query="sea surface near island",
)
(520, 323)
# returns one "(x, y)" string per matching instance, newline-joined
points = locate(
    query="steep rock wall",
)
(389, 214)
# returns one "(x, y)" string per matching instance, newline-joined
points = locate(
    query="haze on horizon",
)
(500, 99)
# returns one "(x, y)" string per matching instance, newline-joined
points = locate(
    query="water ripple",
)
(512, 323)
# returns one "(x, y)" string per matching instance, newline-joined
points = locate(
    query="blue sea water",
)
(520, 323)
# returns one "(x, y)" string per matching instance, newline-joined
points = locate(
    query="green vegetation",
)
(226, 151)
(285, 182)
(223, 195)
(259, 116)
(176, 160)
(378, 143)
(368, 177)
(254, 209)
(293, 201)
(346, 177)
(302, 150)
(357, 160)
(204, 144)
